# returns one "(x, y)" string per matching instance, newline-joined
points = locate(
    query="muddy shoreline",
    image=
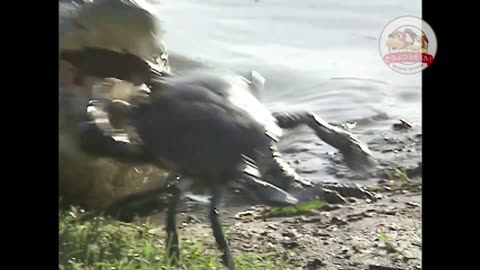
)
(358, 235)
(383, 233)
(361, 233)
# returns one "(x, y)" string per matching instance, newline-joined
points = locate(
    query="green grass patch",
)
(298, 209)
(105, 244)
(388, 244)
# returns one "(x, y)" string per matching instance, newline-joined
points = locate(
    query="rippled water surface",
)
(317, 55)
(322, 56)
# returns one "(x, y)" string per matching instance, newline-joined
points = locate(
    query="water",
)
(321, 56)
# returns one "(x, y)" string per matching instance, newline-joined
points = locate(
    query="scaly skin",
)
(272, 166)
(86, 180)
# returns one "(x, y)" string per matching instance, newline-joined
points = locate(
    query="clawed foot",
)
(333, 193)
(172, 248)
(356, 154)
(348, 191)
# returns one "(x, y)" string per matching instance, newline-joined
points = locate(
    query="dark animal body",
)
(196, 127)
(206, 127)
(201, 126)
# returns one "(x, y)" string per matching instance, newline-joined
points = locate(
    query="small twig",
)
(390, 247)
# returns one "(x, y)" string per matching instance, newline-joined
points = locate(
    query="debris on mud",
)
(290, 244)
(315, 264)
(374, 224)
(403, 125)
(353, 236)
(377, 267)
(413, 204)
(338, 221)
(386, 241)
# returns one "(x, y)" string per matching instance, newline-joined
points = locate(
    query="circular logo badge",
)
(408, 45)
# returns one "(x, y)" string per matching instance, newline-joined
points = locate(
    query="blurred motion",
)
(107, 40)
(209, 127)
(133, 56)
(257, 102)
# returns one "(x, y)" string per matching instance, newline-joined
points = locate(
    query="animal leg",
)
(171, 226)
(251, 179)
(356, 154)
(274, 169)
(218, 231)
